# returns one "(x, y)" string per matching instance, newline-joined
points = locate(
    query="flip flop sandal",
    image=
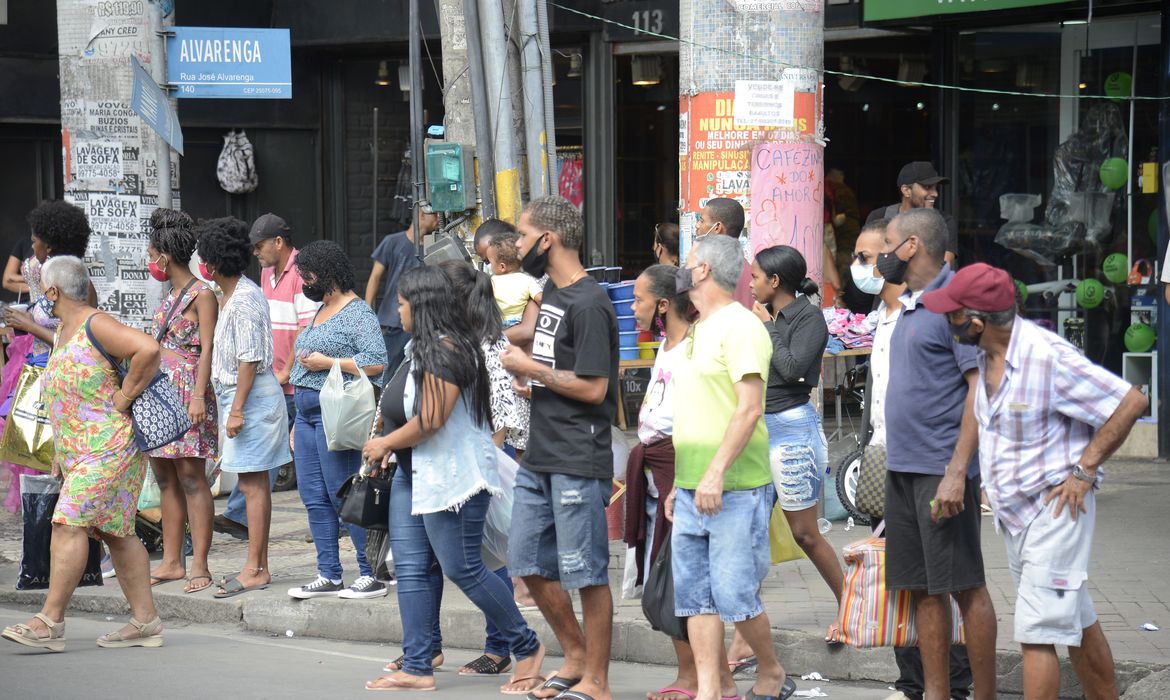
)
(23, 634)
(539, 679)
(195, 589)
(149, 635)
(574, 695)
(676, 691)
(833, 636)
(743, 665)
(484, 666)
(557, 683)
(786, 692)
(235, 588)
(396, 665)
(157, 580)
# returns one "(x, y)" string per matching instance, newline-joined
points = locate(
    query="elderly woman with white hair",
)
(96, 456)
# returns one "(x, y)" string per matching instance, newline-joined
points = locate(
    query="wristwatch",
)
(1080, 473)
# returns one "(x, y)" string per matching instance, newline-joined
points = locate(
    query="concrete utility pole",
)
(110, 167)
(499, 78)
(458, 109)
(779, 45)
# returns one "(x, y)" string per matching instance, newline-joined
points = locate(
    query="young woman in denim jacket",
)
(437, 423)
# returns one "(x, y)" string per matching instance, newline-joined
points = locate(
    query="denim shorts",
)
(559, 530)
(718, 561)
(799, 455)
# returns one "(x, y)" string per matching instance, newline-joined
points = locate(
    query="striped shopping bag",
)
(870, 616)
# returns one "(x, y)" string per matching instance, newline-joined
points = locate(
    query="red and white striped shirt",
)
(1051, 401)
(289, 308)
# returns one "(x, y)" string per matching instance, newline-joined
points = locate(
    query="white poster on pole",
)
(764, 103)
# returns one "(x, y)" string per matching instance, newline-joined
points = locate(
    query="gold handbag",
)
(28, 435)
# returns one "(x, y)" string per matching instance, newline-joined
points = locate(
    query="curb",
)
(633, 640)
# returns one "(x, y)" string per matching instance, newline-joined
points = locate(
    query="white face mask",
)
(864, 278)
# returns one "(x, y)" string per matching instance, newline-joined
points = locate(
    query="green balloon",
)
(1022, 289)
(1114, 172)
(1139, 338)
(1116, 268)
(1090, 293)
(1119, 85)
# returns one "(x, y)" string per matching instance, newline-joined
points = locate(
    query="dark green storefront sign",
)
(880, 10)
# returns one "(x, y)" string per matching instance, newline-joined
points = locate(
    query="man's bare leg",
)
(982, 628)
(557, 609)
(1093, 662)
(933, 617)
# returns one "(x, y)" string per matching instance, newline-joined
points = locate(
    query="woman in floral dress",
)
(184, 326)
(97, 458)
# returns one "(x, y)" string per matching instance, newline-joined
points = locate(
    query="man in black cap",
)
(918, 182)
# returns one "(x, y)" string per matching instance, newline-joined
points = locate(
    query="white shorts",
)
(1049, 561)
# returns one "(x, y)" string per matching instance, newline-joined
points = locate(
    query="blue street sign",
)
(149, 101)
(230, 63)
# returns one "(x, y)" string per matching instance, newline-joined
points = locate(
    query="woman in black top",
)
(798, 451)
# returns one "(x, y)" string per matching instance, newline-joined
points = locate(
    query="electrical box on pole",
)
(450, 177)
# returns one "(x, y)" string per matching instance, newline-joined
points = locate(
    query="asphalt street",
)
(206, 661)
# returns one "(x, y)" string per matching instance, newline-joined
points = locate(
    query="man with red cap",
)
(1048, 418)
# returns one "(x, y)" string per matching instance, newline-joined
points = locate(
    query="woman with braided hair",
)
(184, 326)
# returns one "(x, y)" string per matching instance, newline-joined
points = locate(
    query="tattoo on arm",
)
(551, 377)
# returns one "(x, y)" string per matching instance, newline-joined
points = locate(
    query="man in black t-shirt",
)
(918, 182)
(559, 538)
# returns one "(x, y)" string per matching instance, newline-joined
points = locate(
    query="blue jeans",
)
(559, 530)
(236, 510)
(719, 561)
(426, 547)
(320, 473)
(799, 456)
(494, 640)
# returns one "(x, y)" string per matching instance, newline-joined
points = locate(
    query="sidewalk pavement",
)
(1130, 582)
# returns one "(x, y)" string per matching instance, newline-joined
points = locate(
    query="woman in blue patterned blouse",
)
(345, 330)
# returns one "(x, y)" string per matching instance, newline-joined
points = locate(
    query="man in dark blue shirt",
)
(396, 254)
(932, 487)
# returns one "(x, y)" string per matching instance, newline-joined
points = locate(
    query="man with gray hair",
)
(559, 537)
(723, 493)
(1048, 417)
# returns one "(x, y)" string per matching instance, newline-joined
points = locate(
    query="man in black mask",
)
(560, 539)
(932, 486)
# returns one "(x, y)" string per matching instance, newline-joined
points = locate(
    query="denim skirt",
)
(263, 443)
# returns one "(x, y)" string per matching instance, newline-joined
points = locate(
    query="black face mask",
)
(684, 280)
(535, 262)
(313, 292)
(962, 333)
(892, 267)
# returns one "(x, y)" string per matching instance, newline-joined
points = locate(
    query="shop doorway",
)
(646, 154)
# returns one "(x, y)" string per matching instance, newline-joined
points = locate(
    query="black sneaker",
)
(317, 589)
(364, 587)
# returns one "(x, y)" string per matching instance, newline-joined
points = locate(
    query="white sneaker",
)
(317, 589)
(364, 587)
(107, 566)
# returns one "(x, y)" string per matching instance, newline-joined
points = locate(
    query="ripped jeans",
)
(799, 455)
(559, 530)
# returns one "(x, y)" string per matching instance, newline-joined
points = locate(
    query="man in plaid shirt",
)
(1048, 418)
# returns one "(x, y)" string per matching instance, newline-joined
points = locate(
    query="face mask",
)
(962, 333)
(864, 278)
(684, 280)
(892, 267)
(535, 262)
(204, 272)
(155, 271)
(47, 304)
(313, 292)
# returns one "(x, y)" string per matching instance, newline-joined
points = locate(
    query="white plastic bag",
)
(630, 588)
(498, 521)
(347, 410)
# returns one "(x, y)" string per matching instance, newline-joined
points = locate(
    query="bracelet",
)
(198, 398)
(123, 395)
(236, 414)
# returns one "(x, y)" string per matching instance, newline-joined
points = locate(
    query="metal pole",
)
(374, 204)
(546, 62)
(158, 71)
(499, 89)
(1160, 403)
(416, 124)
(534, 88)
(484, 150)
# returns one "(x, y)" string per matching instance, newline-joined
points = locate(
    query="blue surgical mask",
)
(864, 278)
